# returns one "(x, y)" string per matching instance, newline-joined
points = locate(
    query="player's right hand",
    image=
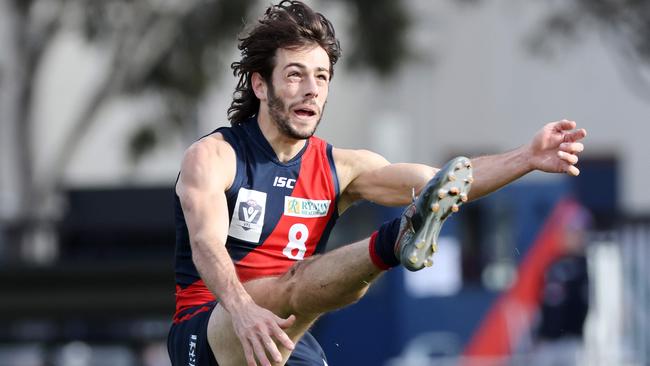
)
(256, 328)
(555, 148)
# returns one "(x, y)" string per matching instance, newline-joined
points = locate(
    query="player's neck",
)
(285, 148)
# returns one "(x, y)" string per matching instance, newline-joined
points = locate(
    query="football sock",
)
(382, 245)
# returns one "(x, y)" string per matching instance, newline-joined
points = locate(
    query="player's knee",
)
(297, 287)
(295, 293)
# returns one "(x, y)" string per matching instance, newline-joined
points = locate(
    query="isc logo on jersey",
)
(283, 182)
(248, 218)
(302, 207)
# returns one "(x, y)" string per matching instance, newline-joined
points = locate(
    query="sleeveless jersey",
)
(279, 212)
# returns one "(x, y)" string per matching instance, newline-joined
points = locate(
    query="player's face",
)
(298, 93)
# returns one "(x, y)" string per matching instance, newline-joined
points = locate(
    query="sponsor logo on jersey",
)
(302, 207)
(248, 218)
(191, 357)
(283, 182)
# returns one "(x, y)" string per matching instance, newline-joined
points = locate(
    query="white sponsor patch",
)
(302, 207)
(248, 217)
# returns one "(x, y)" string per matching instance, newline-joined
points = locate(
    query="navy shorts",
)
(187, 343)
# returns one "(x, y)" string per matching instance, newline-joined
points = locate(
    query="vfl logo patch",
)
(248, 218)
(302, 207)
(249, 213)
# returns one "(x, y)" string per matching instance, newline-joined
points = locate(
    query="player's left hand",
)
(556, 146)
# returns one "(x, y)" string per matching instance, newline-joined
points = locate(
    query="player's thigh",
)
(270, 293)
(225, 345)
(228, 350)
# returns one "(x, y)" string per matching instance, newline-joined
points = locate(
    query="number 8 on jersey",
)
(298, 234)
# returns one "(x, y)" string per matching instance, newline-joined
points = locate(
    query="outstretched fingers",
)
(564, 125)
(261, 333)
(265, 344)
(556, 147)
(569, 158)
(572, 147)
(280, 335)
(567, 163)
(271, 347)
(572, 170)
(260, 346)
(259, 353)
(248, 353)
(576, 135)
(254, 352)
(568, 130)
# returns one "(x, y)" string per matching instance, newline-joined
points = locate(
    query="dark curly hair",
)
(289, 25)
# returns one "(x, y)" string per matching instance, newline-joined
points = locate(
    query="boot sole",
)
(442, 196)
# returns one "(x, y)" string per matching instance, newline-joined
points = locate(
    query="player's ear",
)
(259, 86)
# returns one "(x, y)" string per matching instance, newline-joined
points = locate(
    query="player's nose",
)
(310, 87)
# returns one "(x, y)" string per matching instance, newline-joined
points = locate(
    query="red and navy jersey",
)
(280, 212)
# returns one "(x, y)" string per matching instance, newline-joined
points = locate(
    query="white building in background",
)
(473, 89)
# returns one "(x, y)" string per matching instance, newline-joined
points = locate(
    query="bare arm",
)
(366, 175)
(201, 192)
(553, 149)
(207, 171)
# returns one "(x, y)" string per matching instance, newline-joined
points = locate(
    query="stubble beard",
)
(280, 117)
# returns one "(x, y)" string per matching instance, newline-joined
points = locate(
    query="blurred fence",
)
(634, 240)
(617, 329)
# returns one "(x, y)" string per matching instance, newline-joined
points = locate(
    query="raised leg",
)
(310, 288)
